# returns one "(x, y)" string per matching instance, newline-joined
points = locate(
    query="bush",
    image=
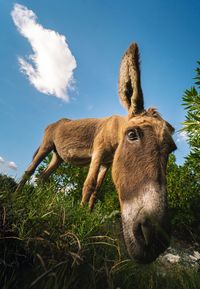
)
(184, 181)
(183, 197)
(7, 184)
(191, 102)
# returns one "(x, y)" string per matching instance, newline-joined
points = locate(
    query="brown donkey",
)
(137, 146)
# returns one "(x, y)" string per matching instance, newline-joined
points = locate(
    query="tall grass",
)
(48, 241)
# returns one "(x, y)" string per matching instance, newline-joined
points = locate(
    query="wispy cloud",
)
(1, 160)
(50, 67)
(12, 165)
(182, 136)
(6, 165)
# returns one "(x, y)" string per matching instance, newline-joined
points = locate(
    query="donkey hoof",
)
(82, 204)
(92, 202)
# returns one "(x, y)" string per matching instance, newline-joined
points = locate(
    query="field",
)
(49, 241)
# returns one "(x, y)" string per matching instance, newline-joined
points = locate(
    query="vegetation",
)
(48, 241)
(184, 198)
(191, 101)
(184, 182)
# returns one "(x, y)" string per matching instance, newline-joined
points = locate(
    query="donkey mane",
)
(153, 112)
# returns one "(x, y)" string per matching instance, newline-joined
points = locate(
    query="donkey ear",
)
(130, 91)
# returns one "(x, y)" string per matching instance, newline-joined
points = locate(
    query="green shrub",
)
(191, 102)
(7, 184)
(184, 181)
(183, 197)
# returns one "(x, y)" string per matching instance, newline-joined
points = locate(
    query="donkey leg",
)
(40, 155)
(53, 165)
(101, 176)
(91, 180)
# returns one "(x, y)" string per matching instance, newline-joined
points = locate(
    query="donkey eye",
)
(133, 135)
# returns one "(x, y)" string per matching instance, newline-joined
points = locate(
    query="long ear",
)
(130, 91)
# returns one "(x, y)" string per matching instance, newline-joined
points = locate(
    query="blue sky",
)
(97, 34)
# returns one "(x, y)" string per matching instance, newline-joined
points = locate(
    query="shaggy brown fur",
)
(139, 144)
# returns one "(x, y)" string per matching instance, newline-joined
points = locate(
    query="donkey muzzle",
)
(150, 239)
(146, 225)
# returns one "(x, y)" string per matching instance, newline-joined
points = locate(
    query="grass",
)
(48, 241)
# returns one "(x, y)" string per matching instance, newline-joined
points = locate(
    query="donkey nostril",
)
(146, 234)
(138, 233)
(142, 234)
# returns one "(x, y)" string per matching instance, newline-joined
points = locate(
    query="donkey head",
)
(139, 168)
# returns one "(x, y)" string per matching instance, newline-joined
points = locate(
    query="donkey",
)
(137, 146)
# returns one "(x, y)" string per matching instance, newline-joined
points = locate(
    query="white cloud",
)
(1, 160)
(182, 136)
(50, 68)
(12, 165)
